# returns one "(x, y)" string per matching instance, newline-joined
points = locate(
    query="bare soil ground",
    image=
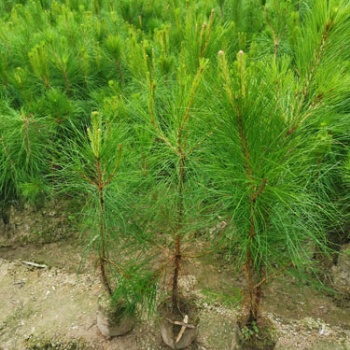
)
(54, 307)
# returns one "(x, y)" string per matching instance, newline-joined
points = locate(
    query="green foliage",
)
(230, 298)
(97, 171)
(249, 332)
(26, 154)
(259, 162)
(273, 147)
(235, 109)
(137, 287)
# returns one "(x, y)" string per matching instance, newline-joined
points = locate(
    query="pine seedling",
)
(95, 169)
(170, 164)
(265, 151)
(99, 177)
(170, 133)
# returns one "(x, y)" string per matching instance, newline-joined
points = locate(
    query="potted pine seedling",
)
(171, 69)
(172, 185)
(264, 155)
(94, 173)
(169, 138)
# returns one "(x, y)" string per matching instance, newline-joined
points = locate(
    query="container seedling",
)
(266, 156)
(179, 328)
(172, 133)
(94, 173)
(171, 181)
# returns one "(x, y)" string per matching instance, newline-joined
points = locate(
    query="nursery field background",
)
(175, 150)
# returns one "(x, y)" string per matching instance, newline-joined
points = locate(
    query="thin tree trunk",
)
(177, 265)
(180, 213)
(253, 272)
(103, 255)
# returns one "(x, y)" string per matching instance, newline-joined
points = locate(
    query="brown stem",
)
(254, 290)
(180, 214)
(182, 176)
(103, 255)
(177, 264)
(252, 272)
